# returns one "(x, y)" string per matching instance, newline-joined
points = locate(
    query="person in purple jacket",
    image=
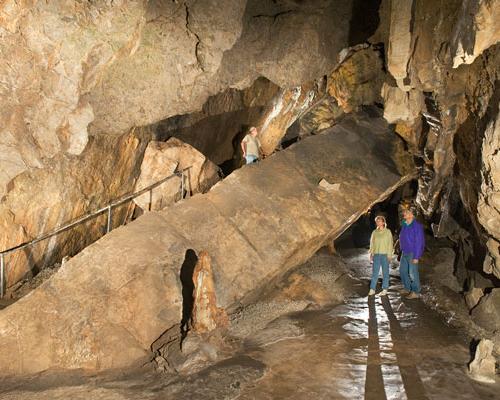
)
(412, 243)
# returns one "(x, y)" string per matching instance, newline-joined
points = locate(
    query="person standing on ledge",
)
(251, 147)
(412, 243)
(381, 248)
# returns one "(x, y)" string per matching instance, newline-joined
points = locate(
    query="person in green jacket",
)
(381, 248)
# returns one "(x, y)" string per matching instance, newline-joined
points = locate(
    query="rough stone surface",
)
(487, 312)
(469, 43)
(399, 51)
(75, 71)
(442, 269)
(218, 128)
(488, 207)
(473, 296)
(206, 315)
(286, 107)
(162, 159)
(442, 94)
(358, 80)
(483, 365)
(121, 293)
(45, 198)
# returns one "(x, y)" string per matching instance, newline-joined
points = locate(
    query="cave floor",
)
(367, 348)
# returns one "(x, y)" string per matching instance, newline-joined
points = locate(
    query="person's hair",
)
(251, 129)
(382, 218)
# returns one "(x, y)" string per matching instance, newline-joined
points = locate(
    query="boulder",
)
(473, 296)
(162, 159)
(483, 366)
(487, 312)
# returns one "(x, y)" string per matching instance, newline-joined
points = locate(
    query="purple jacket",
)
(411, 238)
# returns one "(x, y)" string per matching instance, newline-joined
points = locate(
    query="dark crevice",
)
(274, 16)
(364, 21)
(198, 40)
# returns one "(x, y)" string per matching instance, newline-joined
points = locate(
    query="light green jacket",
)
(381, 242)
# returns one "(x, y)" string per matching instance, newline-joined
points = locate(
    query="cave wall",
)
(76, 74)
(441, 92)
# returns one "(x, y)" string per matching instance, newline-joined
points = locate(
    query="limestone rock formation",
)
(75, 73)
(286, 107)
(487, 312)
(358, 80)
(162, 159)
(473, 296)
(442, 270)
(216, 131)
(488, 207)
(483, 366)
(442, 94)
(46, 198)
(206, 315)
(105, 307)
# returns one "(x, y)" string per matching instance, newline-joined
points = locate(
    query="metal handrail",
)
(84, 218)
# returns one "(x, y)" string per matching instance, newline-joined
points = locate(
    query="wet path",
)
(373, 348)
(377, 348)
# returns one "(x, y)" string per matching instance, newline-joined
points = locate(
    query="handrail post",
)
(2, 275)
(188, 175)
(182, 184)
(150, 199)
(109, 219)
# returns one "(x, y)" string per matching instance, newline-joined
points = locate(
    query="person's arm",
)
(244, 147)
(371, 247)
(419, 244)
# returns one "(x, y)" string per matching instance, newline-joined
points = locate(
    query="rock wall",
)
(69, 187)
(441, 93)
(76, 74)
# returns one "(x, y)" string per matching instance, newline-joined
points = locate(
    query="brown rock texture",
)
(79, 73)
(105, 307)
(206, 315)
(483, 366)
(358, 80)
(488, 207)
(45, 198)
(162, 159)
(217, 129)
(442, 94)
(487, 312)
(286, 107)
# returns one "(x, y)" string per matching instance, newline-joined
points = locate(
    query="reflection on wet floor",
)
(369, 348)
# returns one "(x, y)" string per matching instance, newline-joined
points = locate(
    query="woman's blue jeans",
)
(409, 273)
(380, 260)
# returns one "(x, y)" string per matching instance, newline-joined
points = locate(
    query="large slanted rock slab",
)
(105, 307)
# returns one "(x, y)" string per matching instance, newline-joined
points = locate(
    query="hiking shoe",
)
(413, 295)
(371, 292)
(404, 292)
(383, 293)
